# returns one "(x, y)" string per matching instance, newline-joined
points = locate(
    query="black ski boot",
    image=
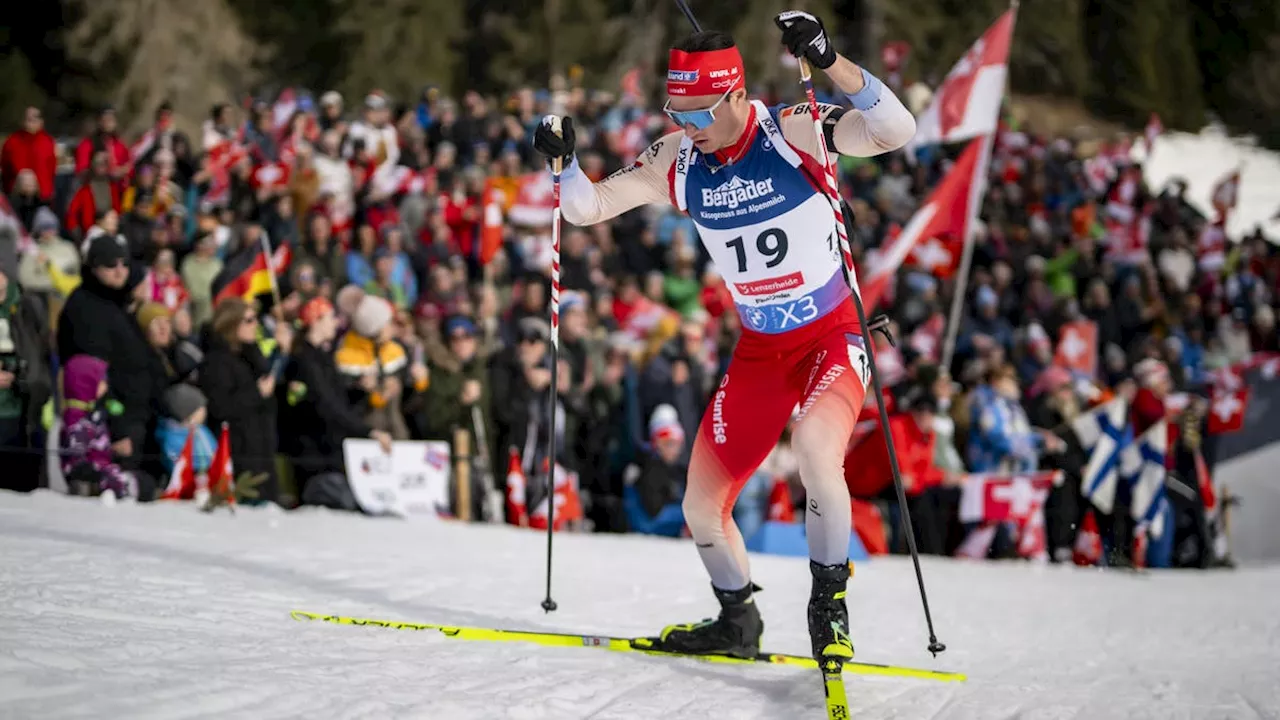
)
(736, 632)
(828, 614)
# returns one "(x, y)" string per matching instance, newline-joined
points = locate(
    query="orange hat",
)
(314, 310)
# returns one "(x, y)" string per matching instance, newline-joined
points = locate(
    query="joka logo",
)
(737, 191)
(687, 77)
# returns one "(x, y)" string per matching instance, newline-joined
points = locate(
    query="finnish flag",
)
(1142, 467)
(1104, 433)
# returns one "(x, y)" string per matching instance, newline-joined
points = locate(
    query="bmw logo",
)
(757, 318)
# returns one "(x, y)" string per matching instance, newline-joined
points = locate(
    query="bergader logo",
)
(736, 191)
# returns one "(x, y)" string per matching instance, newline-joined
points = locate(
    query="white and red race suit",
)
(768, 227)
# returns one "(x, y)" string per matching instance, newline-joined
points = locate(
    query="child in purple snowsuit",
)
(86, 441)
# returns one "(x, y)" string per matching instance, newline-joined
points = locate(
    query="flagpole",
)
(977, 191)
(269, 258)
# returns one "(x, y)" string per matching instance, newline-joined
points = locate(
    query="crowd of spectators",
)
(398, 316)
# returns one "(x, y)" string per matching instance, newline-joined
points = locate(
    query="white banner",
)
(412, 481)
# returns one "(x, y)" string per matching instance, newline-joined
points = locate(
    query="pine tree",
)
(397, 46)
(192, 55)
(1123, 40)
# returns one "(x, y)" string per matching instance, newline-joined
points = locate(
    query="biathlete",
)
(751, 179)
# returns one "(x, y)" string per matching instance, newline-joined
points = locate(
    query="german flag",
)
(250, 273)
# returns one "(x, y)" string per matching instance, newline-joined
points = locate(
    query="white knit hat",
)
(371, 316)
(665, 423)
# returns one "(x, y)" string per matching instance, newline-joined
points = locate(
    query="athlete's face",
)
(728, 115)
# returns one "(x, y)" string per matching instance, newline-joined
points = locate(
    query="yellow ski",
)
(833, 682)
(628, 645)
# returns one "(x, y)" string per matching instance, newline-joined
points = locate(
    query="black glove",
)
(551, 145)
(804, 35)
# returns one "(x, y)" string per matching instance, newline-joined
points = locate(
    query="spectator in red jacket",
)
(105, 140)
(95, 197)
(462, 211)
(933, 496)
(30, 148)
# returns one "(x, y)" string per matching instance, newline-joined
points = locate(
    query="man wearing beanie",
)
(96, 321)
(45, 268)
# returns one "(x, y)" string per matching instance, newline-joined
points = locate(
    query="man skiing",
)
(751, 179)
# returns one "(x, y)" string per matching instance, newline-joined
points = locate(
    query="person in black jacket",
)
(520, 378)
(318, 416)
(241, 388)
(96, 321)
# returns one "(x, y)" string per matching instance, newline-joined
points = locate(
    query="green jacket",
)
(442, 409)
(10, 357)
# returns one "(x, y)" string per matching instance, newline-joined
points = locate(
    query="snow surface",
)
(1252, 478)
(163, 612)
(1206, 158)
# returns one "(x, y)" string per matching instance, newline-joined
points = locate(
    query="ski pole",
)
(843, 215)
(557, 166)
(688, 13)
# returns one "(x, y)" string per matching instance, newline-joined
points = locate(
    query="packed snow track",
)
(164, 612)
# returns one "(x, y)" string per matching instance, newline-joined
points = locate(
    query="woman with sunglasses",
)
(751, 179)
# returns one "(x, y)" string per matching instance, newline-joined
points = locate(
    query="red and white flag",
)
(517, 513)
(1018, 500)
(221, 471)
(1088, 548)
(1226, 410)
(1078, 348)
(941, 224)
(182, 481)
(781, 507)
(568, 502)
(968, 102)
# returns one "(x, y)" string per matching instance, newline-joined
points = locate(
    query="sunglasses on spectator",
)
(699, 119)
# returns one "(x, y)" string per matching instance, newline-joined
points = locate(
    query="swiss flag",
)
(1226, 410)
(1078, 347)
(535, 201)
(491, 228)
(781, 508)
(517, 514)
(941, 224)
(968, 102)
(1088, 548)
(270, 176)
(568, 502)
(182, 481)
(221, 472)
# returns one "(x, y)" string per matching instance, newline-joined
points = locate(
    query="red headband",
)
(712, 72)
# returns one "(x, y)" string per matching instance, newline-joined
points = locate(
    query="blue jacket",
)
(173, 436)
(1001, 438)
